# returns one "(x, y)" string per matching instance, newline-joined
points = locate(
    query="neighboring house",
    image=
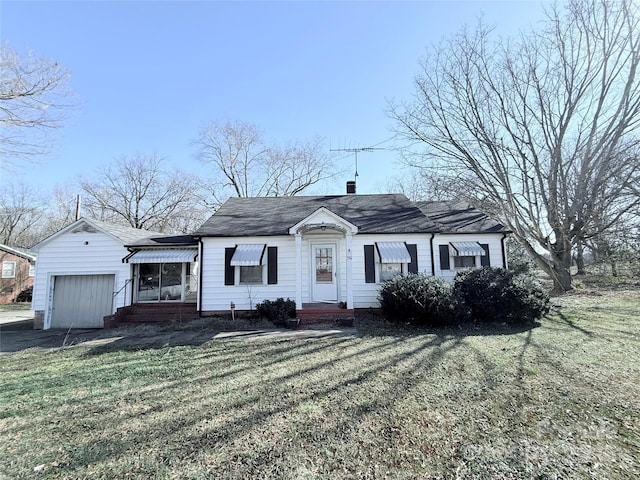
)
(315, 250)
(18, 270)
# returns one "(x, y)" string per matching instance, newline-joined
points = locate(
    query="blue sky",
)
(149, 75)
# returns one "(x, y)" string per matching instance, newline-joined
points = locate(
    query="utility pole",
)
(355, 151)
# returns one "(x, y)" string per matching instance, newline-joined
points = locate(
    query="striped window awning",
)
(393, 252)
(248, 255)
(163, 255)
(467, 249)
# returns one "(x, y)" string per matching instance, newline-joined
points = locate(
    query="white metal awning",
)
(467, 249)
(393, 252)
(248, 255)
(163, 255)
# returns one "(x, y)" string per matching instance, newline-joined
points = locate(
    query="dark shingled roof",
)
(459, 217)
(385, 213)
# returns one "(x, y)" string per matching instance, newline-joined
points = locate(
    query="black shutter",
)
(369, 264)
(413, 251)
(229, 270)
(444, 257)
(272, 265)
(484, 259)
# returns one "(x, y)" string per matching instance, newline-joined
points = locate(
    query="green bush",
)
(498, 295)
(419, 299)
(277, 311)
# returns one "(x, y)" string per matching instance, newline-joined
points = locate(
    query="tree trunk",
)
(561, 266)
(614, 267)
(580, 259)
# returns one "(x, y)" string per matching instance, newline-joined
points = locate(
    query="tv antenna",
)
(355, 151)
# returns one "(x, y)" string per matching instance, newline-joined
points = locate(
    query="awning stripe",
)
(248, 255)
(163, 255)
(467, 249)
(393, 252)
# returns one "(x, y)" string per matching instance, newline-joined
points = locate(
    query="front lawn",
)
(561, 400)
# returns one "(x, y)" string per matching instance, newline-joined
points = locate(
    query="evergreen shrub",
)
(277, 311)
(498, 295)
(418, 299)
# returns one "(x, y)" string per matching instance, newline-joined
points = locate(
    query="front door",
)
(323, 271)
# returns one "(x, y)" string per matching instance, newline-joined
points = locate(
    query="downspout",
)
(200, 259)
(433, 264)
(504, 251)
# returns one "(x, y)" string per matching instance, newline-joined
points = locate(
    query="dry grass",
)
(561, 400)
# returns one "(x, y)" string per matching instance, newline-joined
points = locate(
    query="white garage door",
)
(81, 301)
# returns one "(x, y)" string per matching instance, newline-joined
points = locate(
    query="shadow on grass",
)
(371, 325)
(560, 318)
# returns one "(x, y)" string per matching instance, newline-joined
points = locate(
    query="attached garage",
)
(80, 276)
(81, 301)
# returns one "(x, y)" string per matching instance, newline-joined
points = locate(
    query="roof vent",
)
(351, 187)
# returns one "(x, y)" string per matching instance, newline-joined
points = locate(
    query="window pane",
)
(389, 270)
(171, 281)
(324, 265)
(191, 288)
(251, 274)
(8, 269)
(464, 262)
(149, 282)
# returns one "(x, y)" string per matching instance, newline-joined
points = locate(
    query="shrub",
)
(25, 295)
(498, 295)
(277, 311)
(419, 299)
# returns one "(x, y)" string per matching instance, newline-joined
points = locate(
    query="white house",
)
(317, 250)
(332, 249)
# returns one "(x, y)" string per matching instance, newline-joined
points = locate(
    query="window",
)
(252, 274)
(324, 265)
(464, 262)
(385, 260)
(389, 270)
(8, 269)
(245, 264)
(167, 282)
(32, 270)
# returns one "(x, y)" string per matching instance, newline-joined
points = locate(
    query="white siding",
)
(81, 253)
(216, 296)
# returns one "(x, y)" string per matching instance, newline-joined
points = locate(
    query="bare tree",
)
(34, 95)
(22, 211)
(539, 130)
(245, 166)
(417, 186)
(139, 192)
